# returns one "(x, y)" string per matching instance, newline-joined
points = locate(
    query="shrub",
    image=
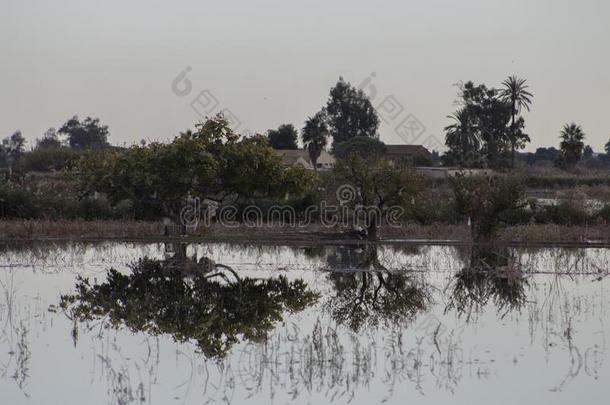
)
(562, 214)
(604, 214)
(47, 159)
(487, 202)
(95, 208)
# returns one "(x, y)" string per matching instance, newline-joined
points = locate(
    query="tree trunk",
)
(514, 139)
(372, 231)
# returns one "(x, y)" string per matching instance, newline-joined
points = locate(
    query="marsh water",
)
(169, 323)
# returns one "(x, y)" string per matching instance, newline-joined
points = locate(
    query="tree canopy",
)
(486, 202)
(381, 189)
(350, 113)
(11, 148)
(211, 162)
(285, 137)
(49, 140)
(572, 144)
(486, 129)
(315, 137)
(86, 134)
(370, 148)
(515, 92)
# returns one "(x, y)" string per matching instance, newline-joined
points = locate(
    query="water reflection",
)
(365, 293)
(354, 324)
(189, 299)
(490, 275)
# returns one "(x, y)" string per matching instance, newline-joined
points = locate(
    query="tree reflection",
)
(492, 275)
(189, 299)
(367, 294)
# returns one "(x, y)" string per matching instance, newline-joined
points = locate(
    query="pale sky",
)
(273, 62)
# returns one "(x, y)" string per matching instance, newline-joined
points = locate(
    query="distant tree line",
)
(489, 129)
(56, 148)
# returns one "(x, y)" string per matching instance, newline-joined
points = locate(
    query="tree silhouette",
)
(49, 140)
(315, 137)
(488, 117)
(88, 134)
(463, 141)
(515, 92)
(11, 148)
(350, 113)
(572, 145)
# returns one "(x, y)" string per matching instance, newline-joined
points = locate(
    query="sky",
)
(150, 69)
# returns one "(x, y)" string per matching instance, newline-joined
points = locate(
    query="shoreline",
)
(27, 231)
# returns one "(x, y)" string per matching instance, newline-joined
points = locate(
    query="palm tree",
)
(315, 136)
(515, 92)
(572, 145)
(460, 137)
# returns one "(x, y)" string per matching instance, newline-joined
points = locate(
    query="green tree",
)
(588, 152)
(572, 144)
(12, 149)
(490, 116)
(88, 134)
(49, 158)
(379, 189)
(50, 140)
(486, 202)
(515, 92)
(285, 137)
(212, 162)
(315, 137)
(350, 113)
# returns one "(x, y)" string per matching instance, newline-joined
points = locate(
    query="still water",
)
(123, 323)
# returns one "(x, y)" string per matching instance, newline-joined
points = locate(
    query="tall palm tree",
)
(315, 137)
(572, 145)
(460, 136)
(515, 92)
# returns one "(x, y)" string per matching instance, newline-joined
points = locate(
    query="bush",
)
(604, 214)
(517, 216)
(487, 202)
(435, 208)
(562, 214)
(47, 159)
(95, 208)
(31, 202)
